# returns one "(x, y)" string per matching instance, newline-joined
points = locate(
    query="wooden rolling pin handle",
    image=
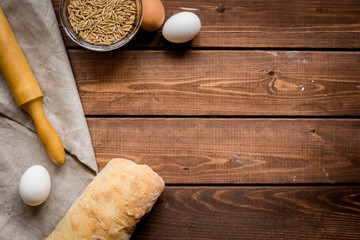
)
(46, 132)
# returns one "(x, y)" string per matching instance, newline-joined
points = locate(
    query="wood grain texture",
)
(269, 23)
(198, 151)
(254, 213)
(208, 161)
(218, 83)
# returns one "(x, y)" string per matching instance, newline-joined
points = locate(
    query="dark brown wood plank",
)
(218, 82)
(254, 213)
(199, 151)
(270, 23)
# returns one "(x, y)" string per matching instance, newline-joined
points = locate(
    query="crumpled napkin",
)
(36, 29)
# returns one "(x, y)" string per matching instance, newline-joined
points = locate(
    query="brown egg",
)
(153, 15)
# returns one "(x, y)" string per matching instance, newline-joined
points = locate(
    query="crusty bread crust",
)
(113, 203)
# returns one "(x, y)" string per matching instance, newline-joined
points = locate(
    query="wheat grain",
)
(102, 22)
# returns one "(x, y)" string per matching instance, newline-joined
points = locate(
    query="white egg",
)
(35, 185)
(181, 27)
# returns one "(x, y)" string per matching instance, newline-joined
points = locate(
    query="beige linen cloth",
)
(36, 29)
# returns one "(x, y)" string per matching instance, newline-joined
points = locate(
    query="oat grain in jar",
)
(101, 25)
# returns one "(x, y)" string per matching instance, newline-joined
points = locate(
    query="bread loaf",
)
(113, 203)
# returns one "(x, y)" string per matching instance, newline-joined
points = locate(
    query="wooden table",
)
(254, 125)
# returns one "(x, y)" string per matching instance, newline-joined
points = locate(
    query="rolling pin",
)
(26, 90)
